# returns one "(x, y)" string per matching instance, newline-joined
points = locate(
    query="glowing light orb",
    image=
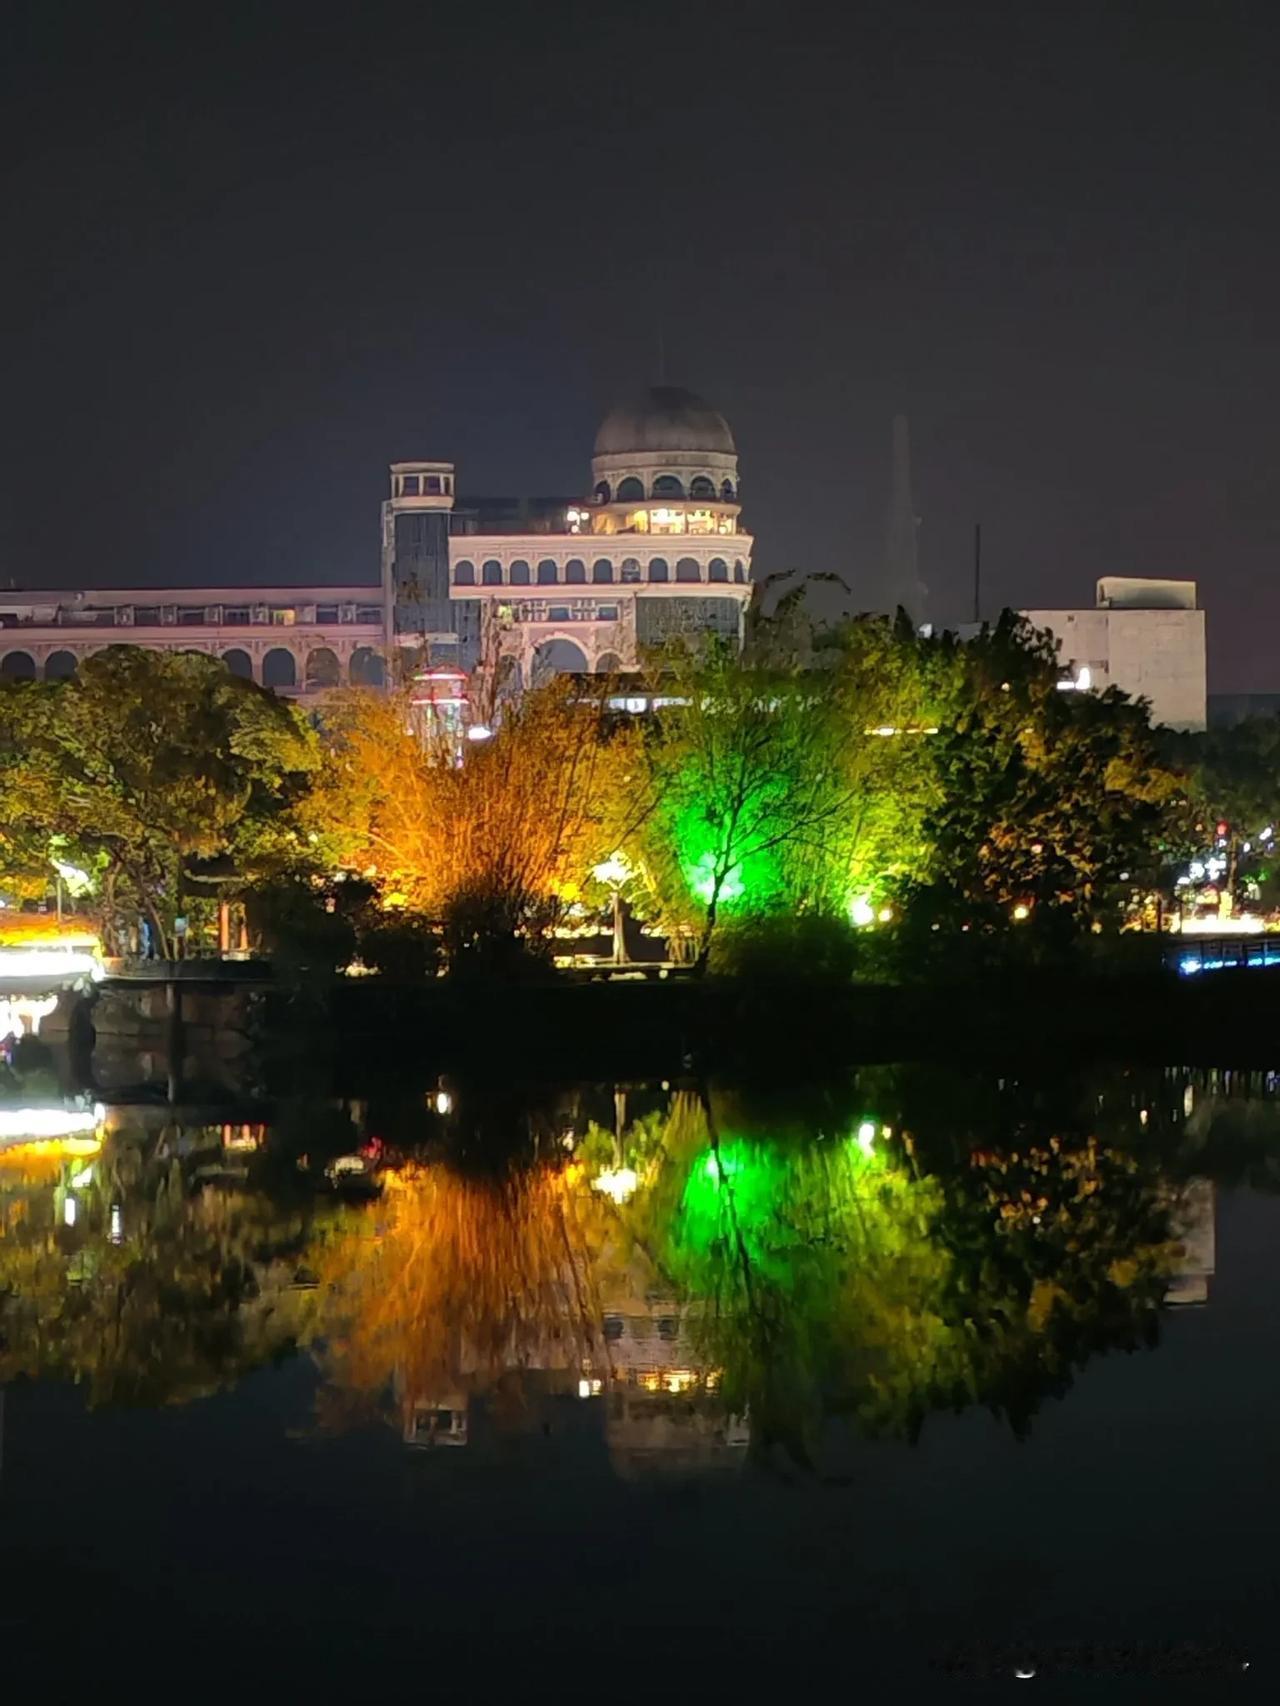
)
(618, 1184)
(702, 880)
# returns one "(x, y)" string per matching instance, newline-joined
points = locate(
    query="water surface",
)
(950, 1373)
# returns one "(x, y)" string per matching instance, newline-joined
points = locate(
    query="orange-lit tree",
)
(496, 846)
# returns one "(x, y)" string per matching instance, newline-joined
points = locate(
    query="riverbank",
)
(793, 1029)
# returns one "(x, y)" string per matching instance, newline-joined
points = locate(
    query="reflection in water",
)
(688, 1273)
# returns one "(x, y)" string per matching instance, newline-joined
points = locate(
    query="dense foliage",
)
(822, 788)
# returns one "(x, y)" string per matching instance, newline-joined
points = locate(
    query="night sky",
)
(252, 254)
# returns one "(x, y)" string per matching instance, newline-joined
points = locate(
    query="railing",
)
(1223, 953)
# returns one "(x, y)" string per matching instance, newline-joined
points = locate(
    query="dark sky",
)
(250, 254)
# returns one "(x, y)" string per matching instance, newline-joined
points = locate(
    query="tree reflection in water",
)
(696, 1262)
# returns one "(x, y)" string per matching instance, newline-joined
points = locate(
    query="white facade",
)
(658, 552)
(1144, 636)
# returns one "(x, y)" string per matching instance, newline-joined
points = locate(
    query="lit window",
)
(283, 617)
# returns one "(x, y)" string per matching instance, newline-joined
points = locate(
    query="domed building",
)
(519, 587)
(584, 585)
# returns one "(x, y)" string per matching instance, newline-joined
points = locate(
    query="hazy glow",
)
(22, 1013)
(617, 1183)
(1245, 925)
(861, 911)
(48, 962)
(45, 1122)
(614, 870)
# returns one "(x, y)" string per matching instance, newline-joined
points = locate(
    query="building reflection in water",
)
(907, 1243)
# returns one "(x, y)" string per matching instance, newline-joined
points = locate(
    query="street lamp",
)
(615, 872)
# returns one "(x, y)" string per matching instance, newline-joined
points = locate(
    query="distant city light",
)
(443, 1102)
(1021, 912)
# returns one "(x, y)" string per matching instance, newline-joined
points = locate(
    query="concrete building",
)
(1146, 637)
(584, 585)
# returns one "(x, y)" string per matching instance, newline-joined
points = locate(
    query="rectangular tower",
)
(415, 568)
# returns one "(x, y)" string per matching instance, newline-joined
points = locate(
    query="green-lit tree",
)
(745, 801)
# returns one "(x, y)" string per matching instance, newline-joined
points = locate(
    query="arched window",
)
(608, 663)
(727, 492)
(491, 573)
(548, 574)
(658, 570)
(279, 669)
(739, 573)
(519, 572)
(18, 666)
(558, 657)
(701, 487)
(667, 486)
(630, 489)
(687, 570)
(464, 574)
(59, 666)
(367, 668)
(603, 494)
(575, 572)
(237, 661)
(323, 668)
(717, 569)
(602, 572)
(630, 570)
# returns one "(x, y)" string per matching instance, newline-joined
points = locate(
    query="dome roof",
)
(665, 418)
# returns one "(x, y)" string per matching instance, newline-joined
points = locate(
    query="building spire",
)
(900, 580)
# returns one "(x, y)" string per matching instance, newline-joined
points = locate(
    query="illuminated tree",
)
(143, 764)
(496, 846)
(745, 801)
(1046, 800)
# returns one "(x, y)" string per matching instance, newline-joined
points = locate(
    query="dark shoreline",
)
(806, 1030)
